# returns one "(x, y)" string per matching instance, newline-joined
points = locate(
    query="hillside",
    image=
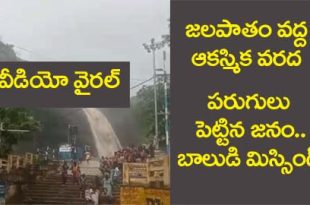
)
(55, 120)
(7, 53)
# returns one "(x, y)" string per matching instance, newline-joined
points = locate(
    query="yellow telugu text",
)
(227, 29)
(46, 80)
(254, 101)
(223, 131)
(228, 61)
(272, 159)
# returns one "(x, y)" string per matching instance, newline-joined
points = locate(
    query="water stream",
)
(105, 138)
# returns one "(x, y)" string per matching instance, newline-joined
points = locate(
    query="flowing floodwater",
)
(104, 136)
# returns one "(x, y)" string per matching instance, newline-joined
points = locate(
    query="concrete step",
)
(50, 189)
(55, 196)
(52, 194)
(50, 203)
(56, 183)
(54, 202)
(56, 191)
(60, 187)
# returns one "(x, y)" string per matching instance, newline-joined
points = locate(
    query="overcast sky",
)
(86, 30)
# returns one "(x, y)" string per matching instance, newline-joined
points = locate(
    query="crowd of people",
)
(129, 154)
(47, 153)
(88, 191)
(111, 168)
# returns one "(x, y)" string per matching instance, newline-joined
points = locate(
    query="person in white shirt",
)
(87, 156)
(116, 173)
(95, 197)
(88, 193)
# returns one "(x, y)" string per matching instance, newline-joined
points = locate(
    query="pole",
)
(69, 133)
(155, 101)
(166, 104)
(10, 130)
(1, 127)
(152, 48)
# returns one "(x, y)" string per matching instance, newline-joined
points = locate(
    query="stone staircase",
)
(51, 191)
(116, 192)
(91, 168)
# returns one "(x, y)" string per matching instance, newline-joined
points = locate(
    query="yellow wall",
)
(144, 196)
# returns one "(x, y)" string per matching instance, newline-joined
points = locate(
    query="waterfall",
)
(104, 136)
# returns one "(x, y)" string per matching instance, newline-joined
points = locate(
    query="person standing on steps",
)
(87, 156)
(75, 173)
(82, 184)
(64, 173)
(54, 155)
(88, 193)
(95, 197)
(107, 184)
(115, 174)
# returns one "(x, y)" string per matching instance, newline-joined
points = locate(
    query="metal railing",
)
(18, 161)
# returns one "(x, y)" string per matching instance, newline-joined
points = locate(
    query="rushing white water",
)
(104, 136)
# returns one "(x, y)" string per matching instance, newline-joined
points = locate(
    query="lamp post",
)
(69, 127)
(10, 130)
(166, 103)
(166, 112)
(151, 48)
(72, 134)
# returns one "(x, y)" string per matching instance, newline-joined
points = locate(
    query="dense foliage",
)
(13, 121)
(143, 108)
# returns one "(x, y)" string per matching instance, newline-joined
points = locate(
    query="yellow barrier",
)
(144, 196)
(157, 196)
(13, 162)
(159, 171)
(3, 163)
(135, 174)
(156, 172)
(17, 161)
(132, 195)
(29, 158)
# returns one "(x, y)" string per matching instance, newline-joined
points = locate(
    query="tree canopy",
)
(15, 119)
(143, 108)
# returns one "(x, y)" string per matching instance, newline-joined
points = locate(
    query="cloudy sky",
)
(86, 30)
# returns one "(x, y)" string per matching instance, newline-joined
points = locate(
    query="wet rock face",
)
(7, 52)
(114, 129)
(12, 190)
(107, 132)
(107, 142)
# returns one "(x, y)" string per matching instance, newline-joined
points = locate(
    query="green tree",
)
(166, 37)
(143, 108)
(17, 119)
(143, 103)
(7, 52)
